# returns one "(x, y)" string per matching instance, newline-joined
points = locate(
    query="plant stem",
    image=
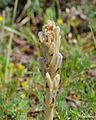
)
(9, 46)
(48, 113)
(14, 12)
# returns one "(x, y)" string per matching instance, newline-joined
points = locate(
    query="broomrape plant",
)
(50, 63)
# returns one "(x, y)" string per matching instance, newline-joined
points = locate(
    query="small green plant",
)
(50, 63)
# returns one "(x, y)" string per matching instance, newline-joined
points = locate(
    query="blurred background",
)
(22, 88)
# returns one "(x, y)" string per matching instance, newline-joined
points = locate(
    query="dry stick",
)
(50, 63)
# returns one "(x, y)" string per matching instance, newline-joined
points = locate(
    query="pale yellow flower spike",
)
(50, 63)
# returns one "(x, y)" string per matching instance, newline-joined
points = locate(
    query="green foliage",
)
(50, 14)
(90, 10)
(4, 3)
(34, 7)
